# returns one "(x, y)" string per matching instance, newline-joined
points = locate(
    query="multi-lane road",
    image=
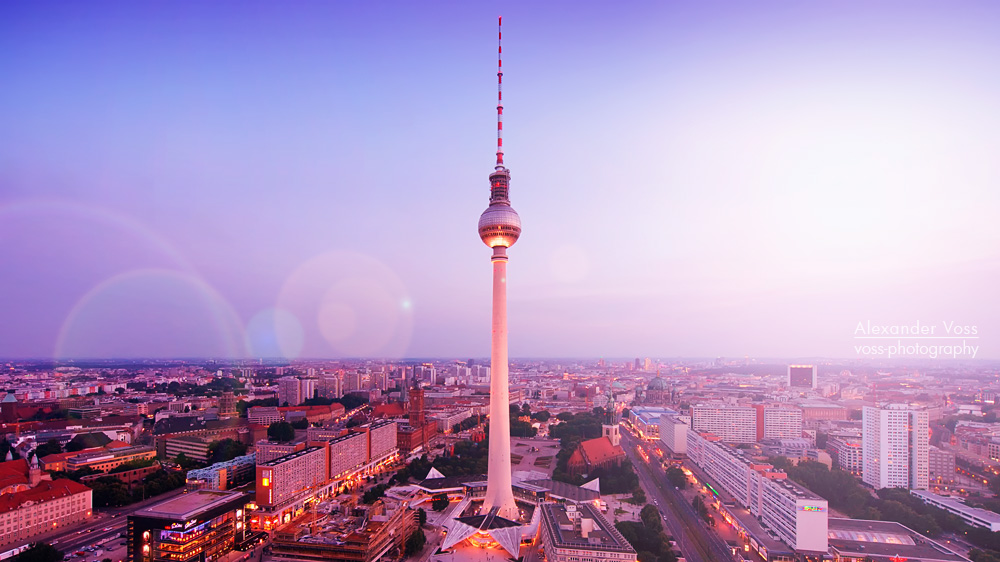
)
(694, 539)
(102, 526)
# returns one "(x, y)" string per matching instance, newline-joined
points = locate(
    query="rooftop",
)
(983, 514)
(188, 505)
(882, 540)
(291, 456)
(567, 533)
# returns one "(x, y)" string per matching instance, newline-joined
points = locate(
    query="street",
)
(92, 531)
(694, 539)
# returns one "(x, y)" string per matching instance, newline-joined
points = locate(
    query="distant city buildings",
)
(293, 391)
(802, 376)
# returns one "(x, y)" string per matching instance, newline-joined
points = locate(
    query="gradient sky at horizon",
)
(304, 179)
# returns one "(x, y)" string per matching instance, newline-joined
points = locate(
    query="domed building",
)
(657, 391)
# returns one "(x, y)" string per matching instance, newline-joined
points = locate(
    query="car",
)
(108, 528)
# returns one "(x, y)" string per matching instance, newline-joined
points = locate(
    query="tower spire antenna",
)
(500, 92)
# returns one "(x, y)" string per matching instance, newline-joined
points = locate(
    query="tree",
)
(281, 432)
(373, 494)
(542, 416)
(50, 447)
(110, 492)
(650, 517)
(186, 463)
(40, 552)
(421, 517)
(226, 450)
(6, 447)
(515, 411)
(638, 497)
(439, 502)
(300, 424)
(351, 401)
(415, 542)
(995, 485)
(677, 478)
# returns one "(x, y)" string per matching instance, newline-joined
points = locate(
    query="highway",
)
(695, 540)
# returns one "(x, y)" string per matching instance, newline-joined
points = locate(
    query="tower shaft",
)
(499, 492)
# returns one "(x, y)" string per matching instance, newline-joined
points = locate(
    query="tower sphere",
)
(499, 225)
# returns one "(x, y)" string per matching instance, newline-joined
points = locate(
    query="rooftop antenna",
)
(500, 93)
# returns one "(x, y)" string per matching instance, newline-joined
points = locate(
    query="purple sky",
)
(304, 179)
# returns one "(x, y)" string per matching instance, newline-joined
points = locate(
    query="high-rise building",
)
(673, 434)
(307, 388)
(802, 376)
(895, 444)
(288, 391)
(331, 386)
(778, 422)
(352, 381)
(296, 390)
(499, 228)
(731, 424)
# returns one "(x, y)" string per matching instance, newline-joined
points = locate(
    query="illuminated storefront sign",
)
(812, 508)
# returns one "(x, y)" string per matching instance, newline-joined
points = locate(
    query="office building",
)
(673, 434)
(796, 515)
(646, 420)
(347, 454)
(802, 376)
(224, 475)
(975, 516)
(940, 466)
(778, 422)
(263, 415)
(194, 448)
(108, 459)
(196, 526)
(731, 424)
(572, 532)
(846, 451)
(296, 390)
(286, 478)
(896, 447)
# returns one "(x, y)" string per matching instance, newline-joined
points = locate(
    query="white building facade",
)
(895, 447)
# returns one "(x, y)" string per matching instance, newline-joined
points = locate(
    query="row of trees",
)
(111, 492)
(468, 459)
(647, 537)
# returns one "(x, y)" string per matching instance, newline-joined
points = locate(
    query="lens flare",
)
(274, 333)
(151, 313)
(356, 303)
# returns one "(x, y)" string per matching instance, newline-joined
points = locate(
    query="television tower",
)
(499, 228)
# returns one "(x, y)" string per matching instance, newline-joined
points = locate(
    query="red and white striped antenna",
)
(500, 93)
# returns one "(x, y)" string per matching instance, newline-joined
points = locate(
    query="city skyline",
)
(187, 180)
